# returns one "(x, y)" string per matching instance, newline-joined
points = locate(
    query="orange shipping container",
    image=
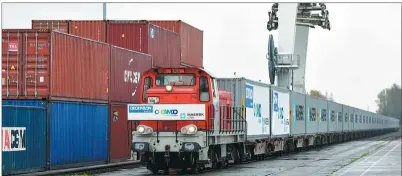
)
(191, 41)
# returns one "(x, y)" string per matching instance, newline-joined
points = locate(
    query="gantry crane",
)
(287, 62)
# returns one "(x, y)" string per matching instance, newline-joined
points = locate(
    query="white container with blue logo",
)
(255, 96)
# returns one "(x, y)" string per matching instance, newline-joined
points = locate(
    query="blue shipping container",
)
(79, 133)
(23, 136)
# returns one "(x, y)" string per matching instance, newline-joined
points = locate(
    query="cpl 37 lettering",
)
(132, 77)
(13, 139)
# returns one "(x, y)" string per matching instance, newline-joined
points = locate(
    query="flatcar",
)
(190, 120)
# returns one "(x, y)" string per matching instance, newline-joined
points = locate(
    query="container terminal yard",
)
(134, 97)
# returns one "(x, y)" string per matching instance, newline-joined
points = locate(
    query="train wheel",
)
(195, 167)
(152, 167)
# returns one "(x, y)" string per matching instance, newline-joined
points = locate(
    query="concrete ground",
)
(385, 161)
(372, 156)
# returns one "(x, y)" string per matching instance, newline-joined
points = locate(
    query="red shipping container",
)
(162, 44)
(57, 25)
(95, 30)
(120, 132)
(191, 41)
(78, 69)
(11, 62)
(127, 67)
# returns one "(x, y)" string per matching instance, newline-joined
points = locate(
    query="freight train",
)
(190, 120)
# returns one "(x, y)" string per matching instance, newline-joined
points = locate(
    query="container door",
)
(11, 61)
(36, 59)
(119, 133)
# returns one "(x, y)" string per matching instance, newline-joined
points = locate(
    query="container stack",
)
(66, 86)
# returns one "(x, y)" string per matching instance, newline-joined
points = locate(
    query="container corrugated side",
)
(127, 66)
(36, 64)
(191, 41)
(56, 25)
(191, 45)
(95, 30)
(80, 67)
(11, 60)
(236, 86)
(120, 136)
(162, 44)
(24, 136)
(79, 134)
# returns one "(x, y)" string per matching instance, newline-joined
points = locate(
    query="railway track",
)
(107, 168)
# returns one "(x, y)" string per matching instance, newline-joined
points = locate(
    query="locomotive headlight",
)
(189, 129)
(153, 100)
(192, 129)
(169, 88)
(141, 129)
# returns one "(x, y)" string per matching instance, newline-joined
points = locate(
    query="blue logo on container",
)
(140, 109)
(276, 101)
(249, 96)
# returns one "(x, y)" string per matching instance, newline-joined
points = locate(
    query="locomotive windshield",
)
(175, 79)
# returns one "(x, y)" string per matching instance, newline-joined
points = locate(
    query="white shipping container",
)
(255, 97)
(280, 112)
(257, 109)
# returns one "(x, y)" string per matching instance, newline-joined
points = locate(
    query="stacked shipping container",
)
(171, 43)
(74, 88)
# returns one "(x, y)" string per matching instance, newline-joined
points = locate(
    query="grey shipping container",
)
(323, 115)
(333, 111)
(312, 115)
(298, 109)
(255, 97)
(345, 116)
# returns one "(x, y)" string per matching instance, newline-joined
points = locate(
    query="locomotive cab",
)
(177, 86)
(180, 115)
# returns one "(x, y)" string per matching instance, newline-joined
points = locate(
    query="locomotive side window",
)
(346, 117)
(204, 89)
(339, 117)
(147, 85)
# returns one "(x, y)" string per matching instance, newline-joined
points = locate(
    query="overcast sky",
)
(359, 57)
